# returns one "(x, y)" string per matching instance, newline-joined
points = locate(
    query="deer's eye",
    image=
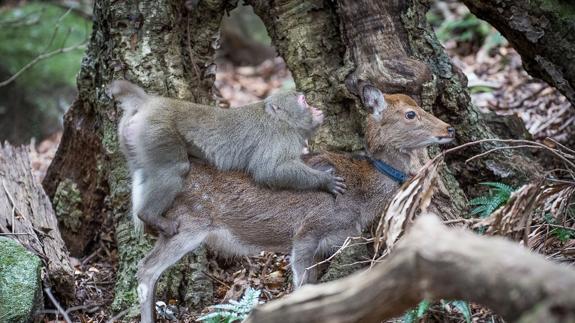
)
(410, 114)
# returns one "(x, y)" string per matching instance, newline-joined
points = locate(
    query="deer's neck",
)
(406, 162)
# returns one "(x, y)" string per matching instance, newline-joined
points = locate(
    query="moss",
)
(67, 204)
(131, 249)
(564, 9)
(20, 284)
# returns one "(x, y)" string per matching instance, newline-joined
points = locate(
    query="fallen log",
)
(433, 262)
(26, 215)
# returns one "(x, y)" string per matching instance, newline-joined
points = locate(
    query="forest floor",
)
(498, 85)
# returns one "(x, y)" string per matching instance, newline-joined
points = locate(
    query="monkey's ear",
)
(271, 108)
(373, 100)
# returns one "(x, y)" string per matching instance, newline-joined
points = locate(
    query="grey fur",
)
(265, 139)
(230, 214)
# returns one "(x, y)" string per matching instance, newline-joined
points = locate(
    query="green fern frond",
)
(496, 197)
(479, 210)
(235, 310)
(499, 186)
(481, 200)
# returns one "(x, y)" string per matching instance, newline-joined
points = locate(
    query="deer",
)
(231, 214)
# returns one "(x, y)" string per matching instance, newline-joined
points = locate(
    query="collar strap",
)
(388, 170)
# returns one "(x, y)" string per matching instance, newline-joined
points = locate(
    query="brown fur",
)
(264, 139)
(231, 214)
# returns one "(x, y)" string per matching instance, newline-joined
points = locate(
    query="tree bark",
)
(26, 215)
(334, 49)
(543, 32)
(168, 50)
(433, 263)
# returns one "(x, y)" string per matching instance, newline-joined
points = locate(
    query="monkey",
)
(309, 225)
(265, 139)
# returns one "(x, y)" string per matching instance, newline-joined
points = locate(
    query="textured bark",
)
(169, 51)
(542, 31)
(26, 215)
(433, 263)
(333, 49)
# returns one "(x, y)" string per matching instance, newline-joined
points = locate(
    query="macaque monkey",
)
(229, 213)
(264, 139)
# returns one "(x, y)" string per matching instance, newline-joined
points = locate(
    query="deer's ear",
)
(373, 100)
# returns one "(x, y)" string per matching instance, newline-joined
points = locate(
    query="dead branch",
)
(41, 58)
(26, 215)
(433, 262)
(57, 305)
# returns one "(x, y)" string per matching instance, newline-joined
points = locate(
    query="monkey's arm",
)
(295, 174)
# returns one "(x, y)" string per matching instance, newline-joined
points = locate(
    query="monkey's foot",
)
(167, 227)
(336, 185)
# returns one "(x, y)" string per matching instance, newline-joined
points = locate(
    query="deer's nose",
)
(451, 132)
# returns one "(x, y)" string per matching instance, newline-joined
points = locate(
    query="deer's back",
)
(266, 217)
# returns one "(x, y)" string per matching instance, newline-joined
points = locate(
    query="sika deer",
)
(230, 213)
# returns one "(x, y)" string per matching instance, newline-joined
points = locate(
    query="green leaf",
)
(409, 317)
(234, 310)
(563, 234)
(500, 186)
(481, 200)
(463, 308)
(422, 308)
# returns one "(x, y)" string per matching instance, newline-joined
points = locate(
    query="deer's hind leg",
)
(166, 252)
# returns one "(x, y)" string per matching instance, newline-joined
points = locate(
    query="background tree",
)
(331, 48)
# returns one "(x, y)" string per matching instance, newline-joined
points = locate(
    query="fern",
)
(235, 310)
(414, 315)
(418, 313)
(463, 308)
(563, 234)
(497, 196)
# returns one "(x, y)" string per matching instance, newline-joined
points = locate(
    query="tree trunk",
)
(543, 32)
(333, 50)
(27, 216)
(169, 51)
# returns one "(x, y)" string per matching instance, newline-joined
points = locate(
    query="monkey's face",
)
(316, 114)
(293, 109)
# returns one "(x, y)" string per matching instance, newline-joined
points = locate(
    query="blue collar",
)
(388, 170)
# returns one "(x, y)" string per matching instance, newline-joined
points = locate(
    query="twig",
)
(345, 244)
(90, 308)
(117, 316)
(210, 276)
(41, 58)
(14, 234)
(561, 145)
(500, 148)
(56, 28)
(92, 255)
(57, 305)
(513, 141)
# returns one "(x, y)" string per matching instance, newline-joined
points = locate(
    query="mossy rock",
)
(20, 283)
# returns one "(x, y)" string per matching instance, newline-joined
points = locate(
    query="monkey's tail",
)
(130, 96)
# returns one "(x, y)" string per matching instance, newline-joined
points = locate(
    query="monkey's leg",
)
(157, 193)
(302, 257)
(166, 252)
(297, 175)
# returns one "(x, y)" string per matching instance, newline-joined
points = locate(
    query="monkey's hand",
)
(336, 185)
